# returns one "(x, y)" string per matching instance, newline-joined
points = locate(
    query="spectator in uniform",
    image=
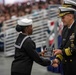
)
(25, 50)
(67, 51)
(69, 3)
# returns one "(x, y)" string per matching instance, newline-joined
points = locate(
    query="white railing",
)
(40, 27)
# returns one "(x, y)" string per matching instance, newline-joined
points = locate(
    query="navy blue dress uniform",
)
(25, 51)
(68, 45)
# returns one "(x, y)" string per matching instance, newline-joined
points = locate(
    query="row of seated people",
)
(11, 11)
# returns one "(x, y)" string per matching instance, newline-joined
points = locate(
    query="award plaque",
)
(49, 52)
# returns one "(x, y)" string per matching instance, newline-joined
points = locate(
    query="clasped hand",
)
(57, 51)
(55, 62)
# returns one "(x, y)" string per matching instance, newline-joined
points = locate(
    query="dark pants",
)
(69, 68)
(15, 73)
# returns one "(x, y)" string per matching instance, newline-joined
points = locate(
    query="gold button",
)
(72, 41)
(72, 45)
(71, 50)
(70, 60)
(65, 60)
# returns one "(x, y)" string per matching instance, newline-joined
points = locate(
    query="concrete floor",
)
(5, 65)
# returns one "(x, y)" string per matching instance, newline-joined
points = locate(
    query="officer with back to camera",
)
(67, 51)
(25, 50)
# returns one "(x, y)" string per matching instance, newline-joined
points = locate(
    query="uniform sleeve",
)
(59, 57)
(69, 51)
(31, 51)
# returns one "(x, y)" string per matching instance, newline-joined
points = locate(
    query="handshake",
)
(55, 62)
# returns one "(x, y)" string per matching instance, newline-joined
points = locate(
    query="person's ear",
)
(70, 15)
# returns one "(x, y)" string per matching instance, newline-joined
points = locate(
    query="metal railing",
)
(40, 27)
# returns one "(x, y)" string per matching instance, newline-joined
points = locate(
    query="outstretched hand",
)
(42, 53)
(57, 51)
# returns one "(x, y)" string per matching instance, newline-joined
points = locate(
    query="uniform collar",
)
(71, 25)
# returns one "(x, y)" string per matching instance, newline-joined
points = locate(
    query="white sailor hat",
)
(64, 10)
(24, 22)
(69, 3)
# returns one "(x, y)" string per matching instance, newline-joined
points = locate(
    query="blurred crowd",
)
(10, 11)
